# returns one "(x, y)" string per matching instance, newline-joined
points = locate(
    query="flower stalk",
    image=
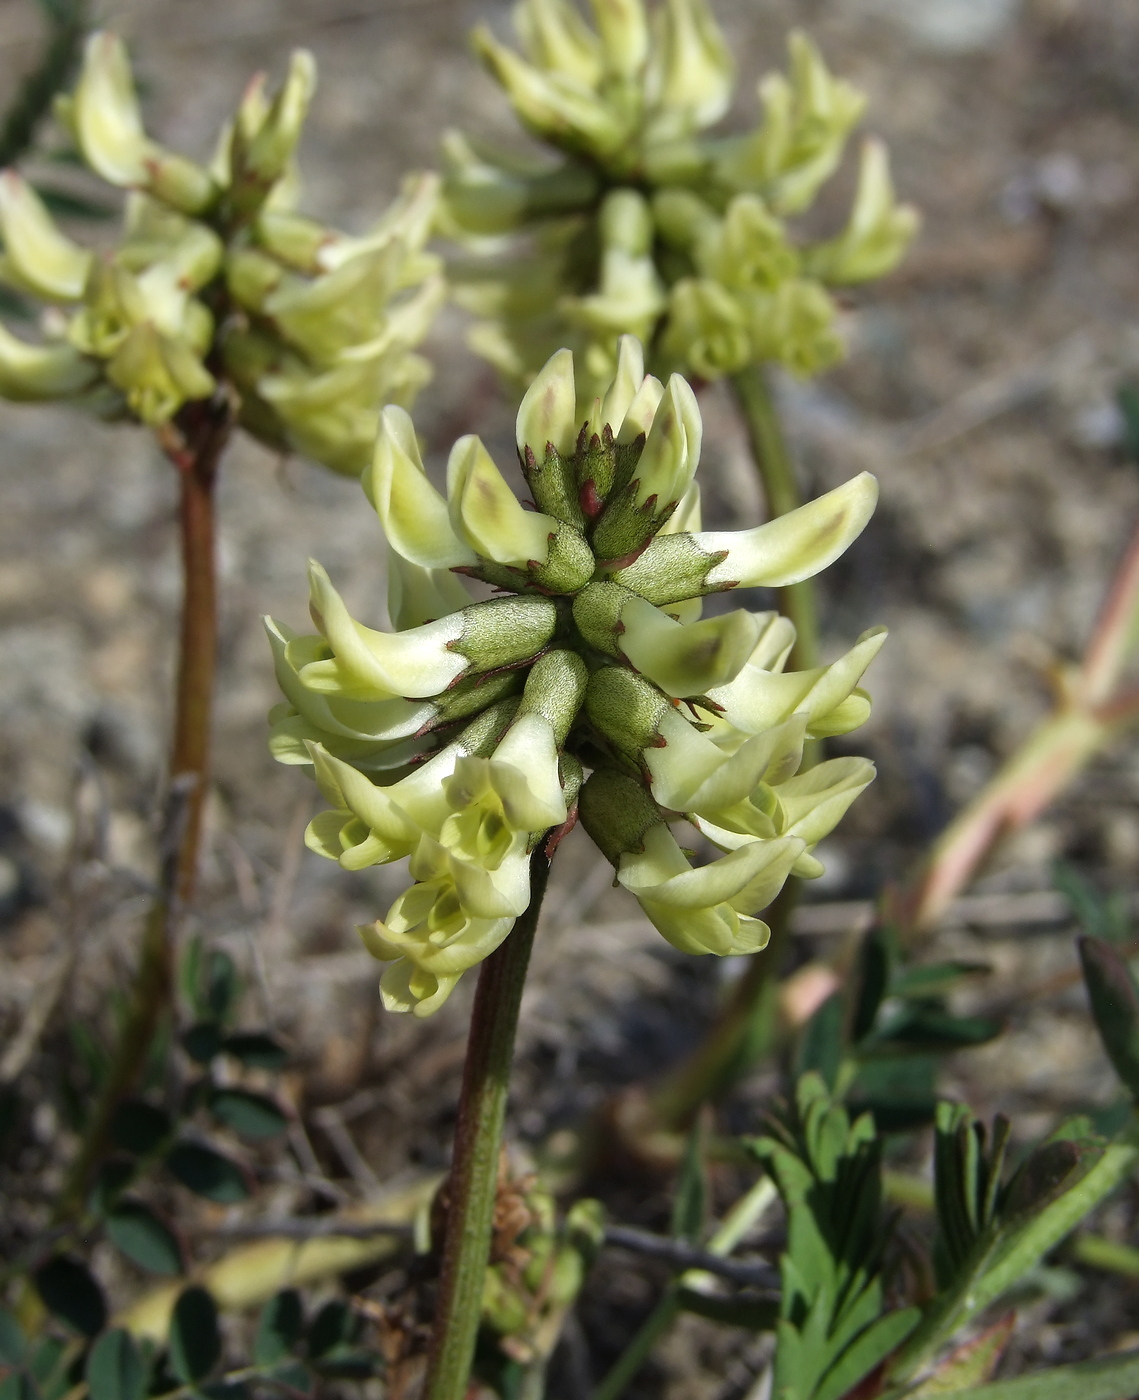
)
(195, 451)
(478, 1138)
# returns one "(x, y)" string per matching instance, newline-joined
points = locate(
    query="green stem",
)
(195, 450)
(742, 1032)
(473, 1182)
(639, 1349)
(777, 472)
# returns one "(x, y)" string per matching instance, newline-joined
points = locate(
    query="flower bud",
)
(293, 239)
(266, 135)
(486, 513)
(660, 478)
(37, 257)
(623, 26)
(30, 373)
(801, 139)
(706, 329)
(104, 115)
(251, 277)
(157, 374)
(556, 39)
(548, 105)
(879, 232)
(413, 514)
(691, 72)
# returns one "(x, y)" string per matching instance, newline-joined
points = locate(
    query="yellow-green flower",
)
(218, 286)
(461, 739)
(642, 221)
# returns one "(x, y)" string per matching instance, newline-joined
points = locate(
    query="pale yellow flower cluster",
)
(462, 739)
(218, 279)
(642, 222)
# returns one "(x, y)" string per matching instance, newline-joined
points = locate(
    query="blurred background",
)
(987, 387)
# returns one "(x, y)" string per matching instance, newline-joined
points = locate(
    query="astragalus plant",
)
(219, 306)
(641, 218)
(469, 738)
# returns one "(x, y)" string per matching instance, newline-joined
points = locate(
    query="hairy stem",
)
(195, 449)
(777, 472)
(473, 1181)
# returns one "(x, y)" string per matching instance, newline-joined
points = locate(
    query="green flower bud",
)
(556, 39)
(624, 30)
(800, 142)
(104, 116)
(617, 812)
(879, 232)
(690, 74)
(707, 328)
(548, 104)
(157, 374)
(266, 134)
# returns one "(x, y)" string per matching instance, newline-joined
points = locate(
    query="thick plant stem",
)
(195, 449)
(741, 1032)
(473, 1182)
(777, 472)
(197, 652)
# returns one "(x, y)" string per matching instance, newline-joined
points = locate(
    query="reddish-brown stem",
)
(194, 446)
(197, 652)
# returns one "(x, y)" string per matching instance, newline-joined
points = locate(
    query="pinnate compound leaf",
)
(147, 1241)
(279, 1327)
(115, 1369)
(250, 1115)
(1114, 998)
(208, 1173)
(195, 1342)
(867, 1350)
(69, 1291)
